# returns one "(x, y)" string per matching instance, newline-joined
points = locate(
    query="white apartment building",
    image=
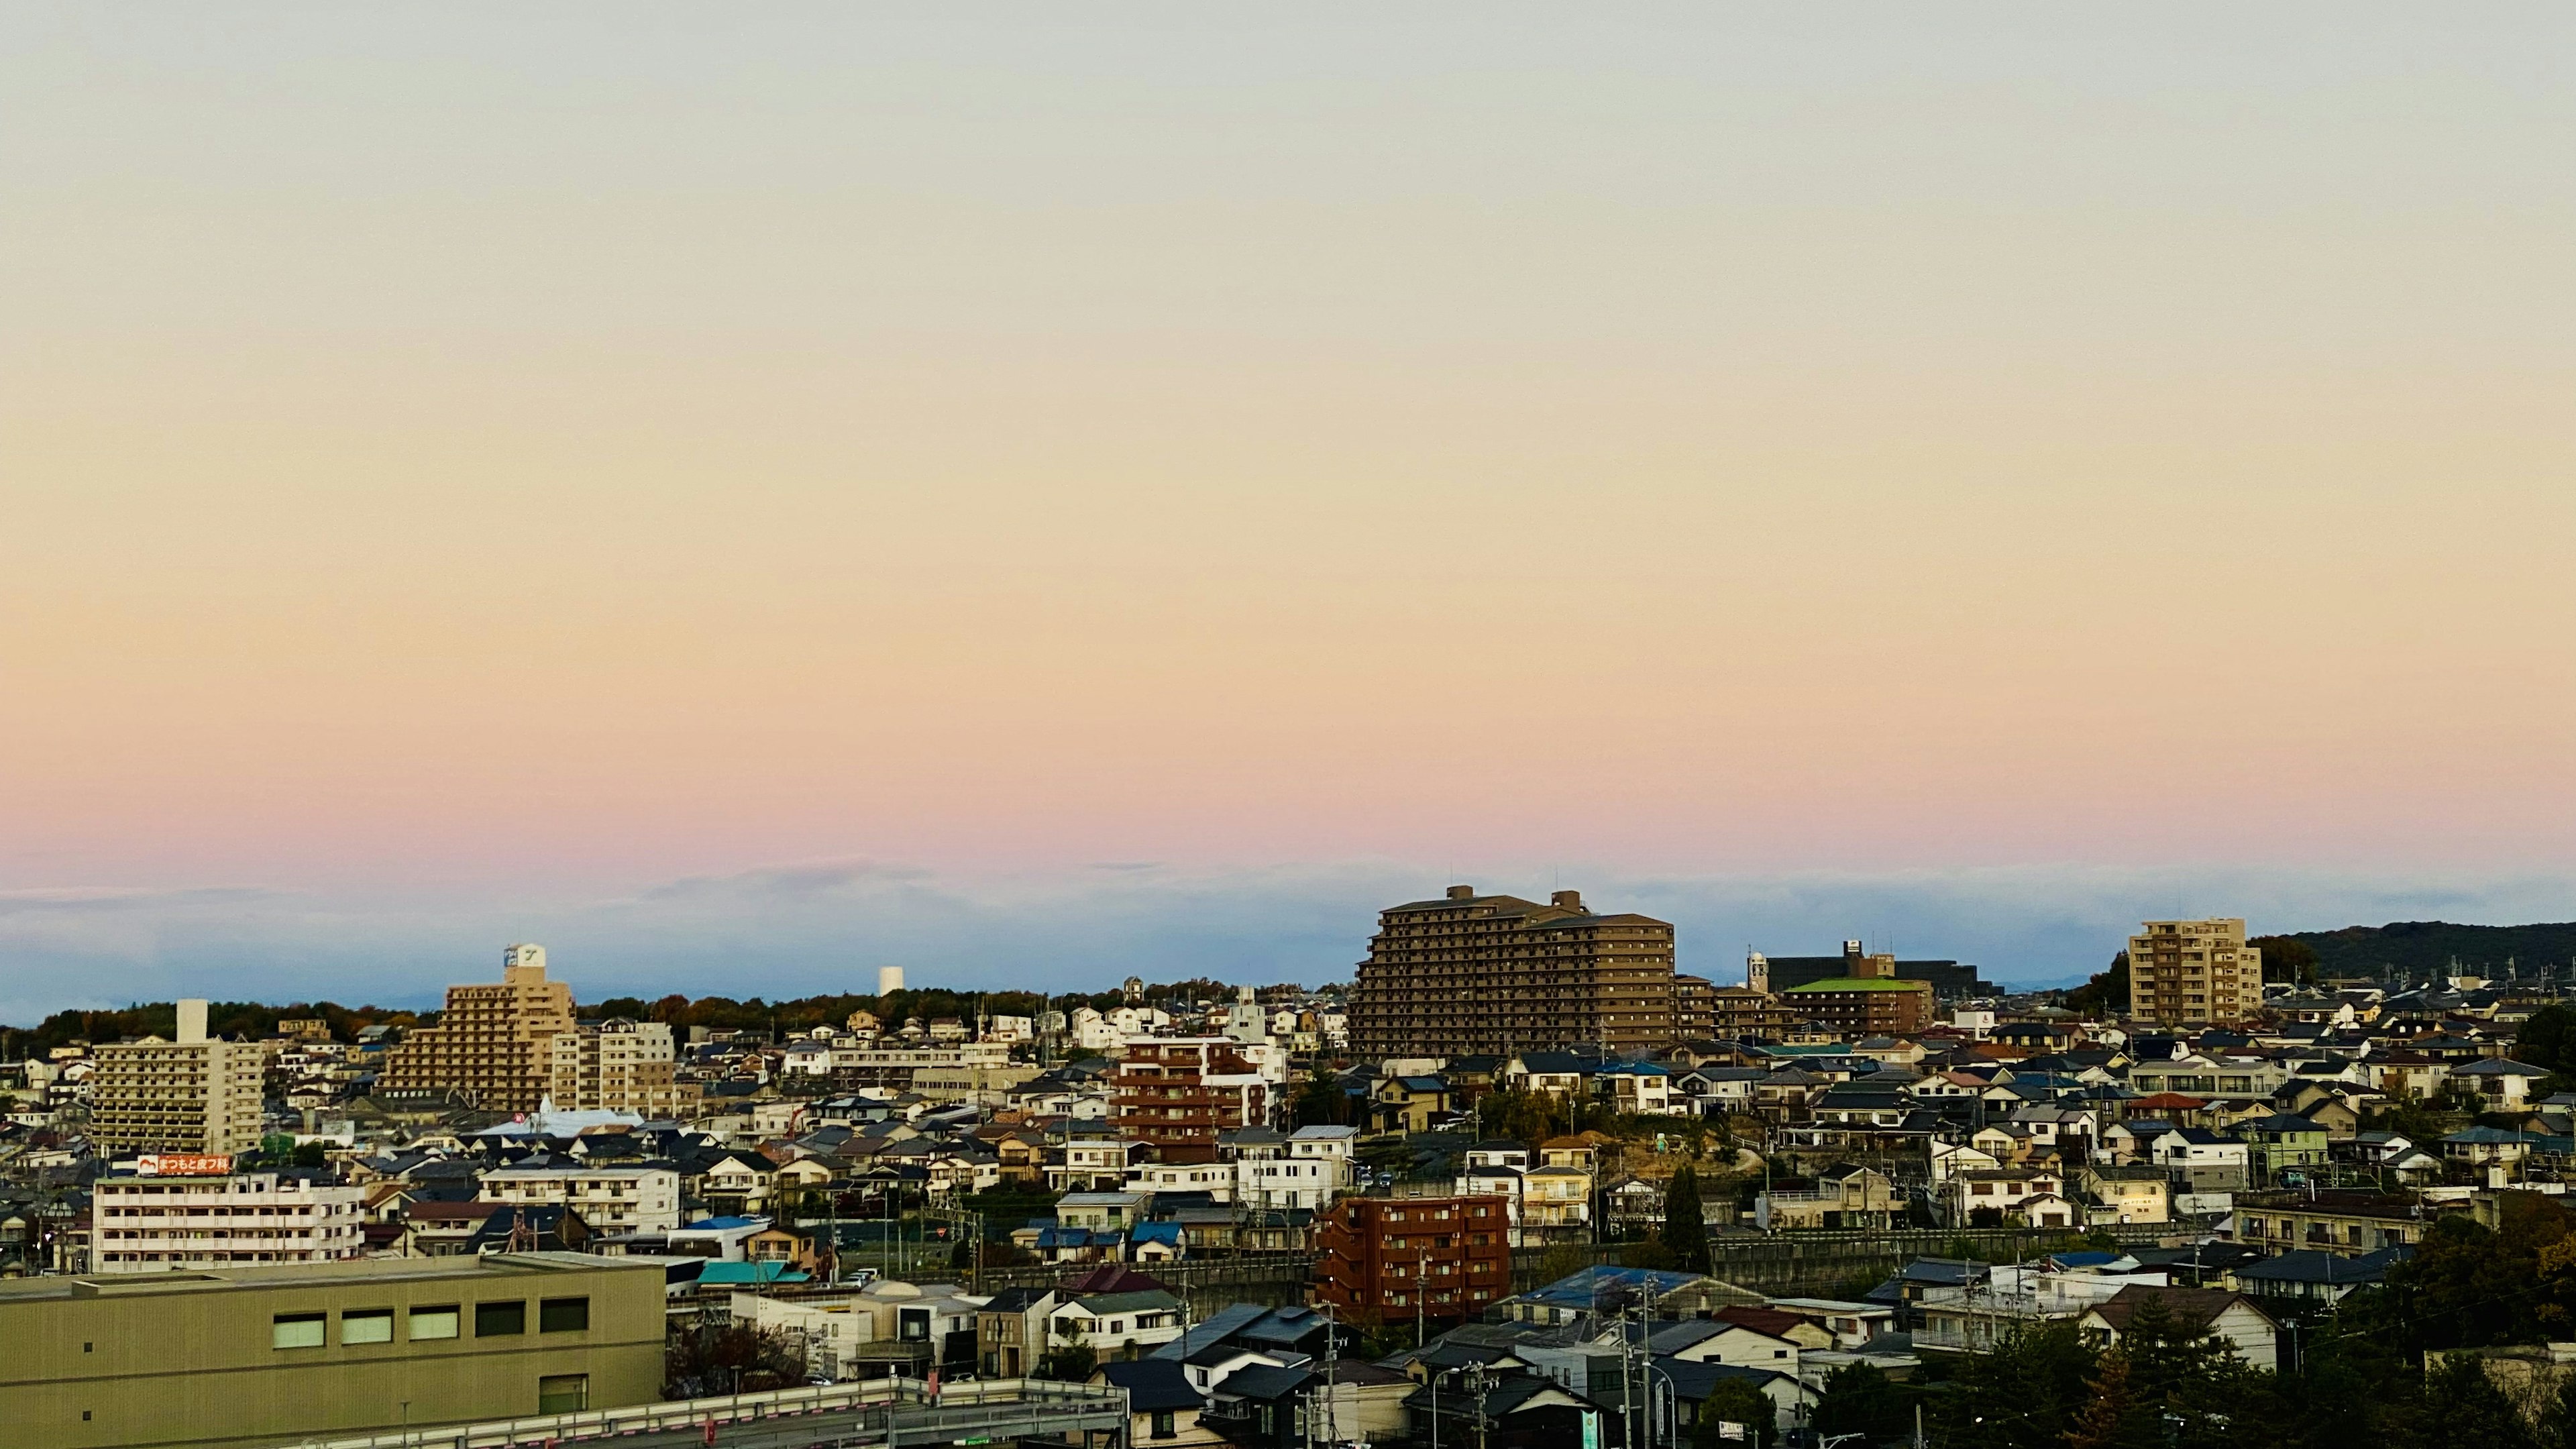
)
(1307, 1171)
(2193, 973)
(160, 1224)
(190, 1095)
(1092, 1164)
(894, 1066)
(611, 1199)
(1213, 1178)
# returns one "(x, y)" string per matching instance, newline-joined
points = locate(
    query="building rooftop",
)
(318, 1275)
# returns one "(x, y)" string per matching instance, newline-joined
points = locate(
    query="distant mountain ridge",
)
(2424, 949)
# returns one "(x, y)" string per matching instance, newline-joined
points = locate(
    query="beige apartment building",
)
(1469, 974)
(2193, 973)
(251, 1357)
(493, 1044)
(618, 1066)
(193, 1095)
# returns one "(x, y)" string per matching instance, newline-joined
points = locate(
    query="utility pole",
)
(1332, 1356)
(1476, 1386)
(1421, 1294)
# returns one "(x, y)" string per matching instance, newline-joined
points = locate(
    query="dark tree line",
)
(223, 1018)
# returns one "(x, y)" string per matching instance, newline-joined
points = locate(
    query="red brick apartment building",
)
(1177, 1093)
(1383, 1255)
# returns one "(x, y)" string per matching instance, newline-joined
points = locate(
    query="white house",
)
(1116, 1324)
(2250, 1332)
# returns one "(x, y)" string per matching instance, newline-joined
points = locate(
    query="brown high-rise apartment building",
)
(2194, 973)
(1177, 1093)
(198, 1094)
(494, 1045)
(1470, 974)
(1436, 1257)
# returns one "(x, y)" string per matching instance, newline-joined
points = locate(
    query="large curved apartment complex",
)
(1469, 974)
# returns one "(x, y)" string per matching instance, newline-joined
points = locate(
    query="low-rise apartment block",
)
(160, 1224)
(610, 1199)
(1441, 1257)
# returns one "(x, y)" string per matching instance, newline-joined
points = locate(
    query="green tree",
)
(1685, 1231)
(1321, 1102)
(2557, 1427)
(1650, 1251)
(1070, 1364)
(2287, 958)
(2024, 1394)
(2107, 993)
(1736, 1401)
(2108, 1420)
(2470, 1409)
(2548, 1039)
(1563, 1261)
(1858, 1399)
(735, 1358)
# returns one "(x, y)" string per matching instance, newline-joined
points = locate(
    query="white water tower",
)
(889, 980)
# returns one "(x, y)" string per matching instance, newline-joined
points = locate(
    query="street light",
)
(1435, 1403)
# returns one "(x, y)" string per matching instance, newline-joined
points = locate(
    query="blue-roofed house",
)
(1159, 1242)
(2312, 1276)
(1603, 1289)
(722, 1237)
(1163, 1407)
(1636, 1087)
(1217, 1327)
(2489, 1146)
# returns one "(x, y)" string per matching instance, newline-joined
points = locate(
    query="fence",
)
(961, 1410)
(1779, 1264)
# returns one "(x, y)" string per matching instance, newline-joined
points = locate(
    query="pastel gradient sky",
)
(1032, 492)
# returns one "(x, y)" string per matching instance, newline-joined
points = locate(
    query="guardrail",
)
(1003, 1402)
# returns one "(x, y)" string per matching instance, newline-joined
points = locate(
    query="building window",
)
(298, 1330)
(563, 1315)
(500, 1320)
(427, 1323)
(367, 1325)
(1163, 1426)
(563, 1393)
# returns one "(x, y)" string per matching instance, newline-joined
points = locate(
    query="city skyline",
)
(827, 929)
(740, 501)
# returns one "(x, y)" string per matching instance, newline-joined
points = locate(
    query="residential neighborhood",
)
(1209, 1200)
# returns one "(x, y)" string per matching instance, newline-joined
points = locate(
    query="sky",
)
(1033, 493)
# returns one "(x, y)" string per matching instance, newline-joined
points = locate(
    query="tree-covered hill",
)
(2418, 950)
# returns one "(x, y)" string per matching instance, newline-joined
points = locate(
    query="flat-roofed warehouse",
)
(237, 1357)
(1467, 975)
